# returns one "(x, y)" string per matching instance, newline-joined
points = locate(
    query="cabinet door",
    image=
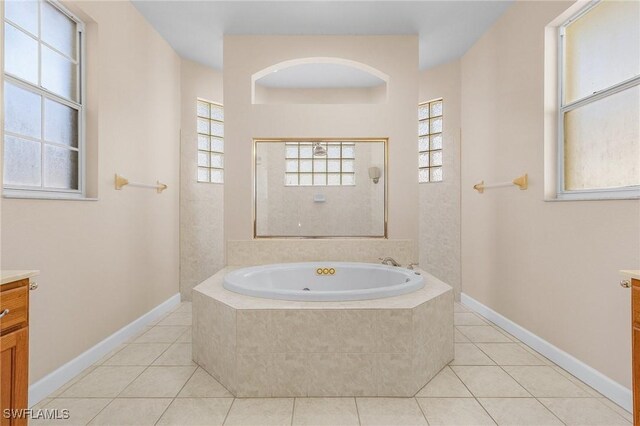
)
(636, 375)
(14, 370)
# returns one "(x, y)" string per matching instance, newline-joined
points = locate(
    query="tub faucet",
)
(389, 261)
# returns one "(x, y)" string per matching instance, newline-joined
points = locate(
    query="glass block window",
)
(306, 166)
(599, 102)
(43, 108)
(210, 124)
(430, 141)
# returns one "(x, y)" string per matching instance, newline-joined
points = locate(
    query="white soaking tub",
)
(323, 281)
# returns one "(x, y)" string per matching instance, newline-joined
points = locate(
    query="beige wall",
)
(104, 263)
(439, 238)
(201, 204)
(551, 267)
(397, 56)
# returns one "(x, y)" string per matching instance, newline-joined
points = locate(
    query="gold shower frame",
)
(385, 142)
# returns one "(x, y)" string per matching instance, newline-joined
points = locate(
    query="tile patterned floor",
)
(494, 379)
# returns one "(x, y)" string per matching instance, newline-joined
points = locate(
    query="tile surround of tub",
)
(265, 251)
(355, 349)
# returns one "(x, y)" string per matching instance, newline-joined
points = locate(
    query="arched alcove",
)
(319, 80)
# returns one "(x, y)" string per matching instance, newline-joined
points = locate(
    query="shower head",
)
(319, 150)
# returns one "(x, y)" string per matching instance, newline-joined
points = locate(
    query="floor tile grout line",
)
(176, 396)
(474, 396)
(421, 410)
(229, 411)
(355, 401)
(293, 410)
(531, 393)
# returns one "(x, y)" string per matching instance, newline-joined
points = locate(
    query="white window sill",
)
(15, 196)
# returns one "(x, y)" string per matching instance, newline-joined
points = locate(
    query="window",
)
(210, 142)
(430, 141)
(43, 108)
(319, 163)
(599, 102)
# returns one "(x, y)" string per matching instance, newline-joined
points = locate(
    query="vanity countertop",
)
(631, 274)
(9, 276)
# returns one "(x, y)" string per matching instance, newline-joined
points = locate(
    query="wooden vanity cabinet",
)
(14, 350)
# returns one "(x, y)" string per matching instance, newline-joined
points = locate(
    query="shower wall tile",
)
(260, 252)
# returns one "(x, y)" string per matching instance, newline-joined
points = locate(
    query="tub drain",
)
(306, 289)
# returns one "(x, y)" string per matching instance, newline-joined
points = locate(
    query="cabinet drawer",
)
(16, 301)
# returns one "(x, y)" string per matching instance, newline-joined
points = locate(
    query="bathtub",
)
(323, 281)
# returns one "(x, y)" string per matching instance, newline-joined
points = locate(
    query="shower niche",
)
(320, 188)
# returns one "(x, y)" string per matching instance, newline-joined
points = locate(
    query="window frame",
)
(17, 191)
(313, 160)
(428, 135)
(210, 151)
(627, 192)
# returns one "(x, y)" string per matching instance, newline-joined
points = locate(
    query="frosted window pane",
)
(423, 144)
(291, 151)
(306, 151)
(22, 111)
(217, 161)
(436, 158)
(423, 112)
(436, 125)
(319, 179)
(333, 165)
(292, 166)
(203, 109)
(217, 113)
(333, 151)
(23, 13)
(423, 160)
(21, 54)
(348, 179)
(348, 166)
(436, 141)
(203, 174)
(305, 166)
(60, 123)
(21, 162)
(217, 176)
(436, 174)
(305, 179)
(58, 30)
(602, 143)
(436, 109)
(291, 179)
(320, 165)
(423, 128)
(348, 151)
(217, 145)
(58, 74)
(423, 175)
(203, 126)
(333, 179)
(602, 48)
(203, 159)
(60, 168)
(217, 129)
(203, 142)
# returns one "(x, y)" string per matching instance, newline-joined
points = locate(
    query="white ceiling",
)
(447, 29)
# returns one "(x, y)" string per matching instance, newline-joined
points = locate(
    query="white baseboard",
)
(603, 384)
(52, 381)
